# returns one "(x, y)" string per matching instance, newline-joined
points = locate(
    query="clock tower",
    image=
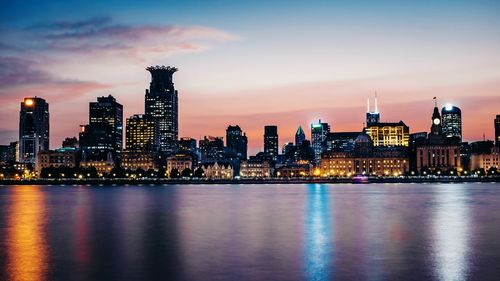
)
(436, 135)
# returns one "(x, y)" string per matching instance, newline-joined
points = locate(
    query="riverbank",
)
(247, 181)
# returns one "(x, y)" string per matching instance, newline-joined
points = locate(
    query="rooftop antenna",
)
(376, 103)
(368, 104)
(435, 102)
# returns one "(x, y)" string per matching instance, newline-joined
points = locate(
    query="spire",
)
(368, 104)
(376, 102)
(435, 102)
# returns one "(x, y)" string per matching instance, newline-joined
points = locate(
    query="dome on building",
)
(363, 138)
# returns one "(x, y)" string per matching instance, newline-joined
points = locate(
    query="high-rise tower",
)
(452, 121)
(319, 132)
(108, 111)
(236, 142)
(33, 128)
(497, 130)
(271, 141)
(372, 117)
(300, 136)
(161, 103)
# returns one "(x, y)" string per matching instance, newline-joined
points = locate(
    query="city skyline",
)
(232, 71)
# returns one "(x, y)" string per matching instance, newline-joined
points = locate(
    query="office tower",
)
(97, 139)
(187, 144)
(497, 130)
(33, 128)
(372, 117)
(236, 142)
(319, 132)
(140, 133)
(300, 136)
(271, 141)
(452, 122)
(211, 149)
(108, 111)
(161, 103)
(389, 134)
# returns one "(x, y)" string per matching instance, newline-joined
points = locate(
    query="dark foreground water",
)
(251, 232)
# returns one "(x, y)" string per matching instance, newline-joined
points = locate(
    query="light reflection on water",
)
(251, 232)
(451, 234)
(26, 246)
(318, 234)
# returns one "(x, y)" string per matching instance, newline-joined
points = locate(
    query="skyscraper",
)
(300, 136)
(236, 142)
(372, 117)
(497, 130)
(108, 111)
(140, 133)
(33, 128)
(319, 133)
(452, 121)
(271, 141)
(162, 104)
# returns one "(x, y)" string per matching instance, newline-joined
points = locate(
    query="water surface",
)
(251, 232)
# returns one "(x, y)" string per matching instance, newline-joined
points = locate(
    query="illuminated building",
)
(451, 117)
(33, 128)
(180, 162)
(211, 149)
(438, 152)
(97, 138)
(56, 158)
(365, 159)
(486, 161)
(300, 136)
(255, 169)
(133, 160)
(140, 133)
(497, 130)
(4, 154)
(187, 144)
(341, 141)
(372, 117)
(103, 165)
(294, 171)
(271, 141)
(236, 142)
(389, 134)
(319, 133)
(161, 103)
(218, 170)
(108, 111)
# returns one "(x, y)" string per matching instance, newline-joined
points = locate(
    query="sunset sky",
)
(254, 63)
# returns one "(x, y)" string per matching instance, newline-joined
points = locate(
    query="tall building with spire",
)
(161, 103)
(33, 128)
(300, 136)
(372, 117)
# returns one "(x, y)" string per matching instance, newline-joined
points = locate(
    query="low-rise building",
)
(218, 170)
(133, 160)
(180, 162)
(102, 164)
(486, 161)
(255, 169)
(56, 158)
(294, 170)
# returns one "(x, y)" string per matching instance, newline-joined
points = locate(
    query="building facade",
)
(236, 142)
(134, 160)
(161, 103)
(389, 134)
(271, 141)
(486, 161)
(103, 165)
(218, 170)
(452, 122)
(497, 130)
(180, 162)
(255, 169)
(140, 133)
(319, 133)
(56, 158)
(33, 128)
(108, 111)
